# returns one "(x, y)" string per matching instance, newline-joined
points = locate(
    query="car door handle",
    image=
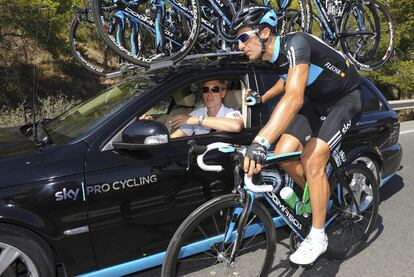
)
(359, 123)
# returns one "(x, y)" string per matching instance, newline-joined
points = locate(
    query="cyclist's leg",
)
(316, 153)
(315, 156)
(300, 130)
(294, 169)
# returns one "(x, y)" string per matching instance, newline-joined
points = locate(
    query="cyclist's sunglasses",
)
(215, 89)
(243, 37)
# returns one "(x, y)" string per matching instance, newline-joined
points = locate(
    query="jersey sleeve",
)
(298, 51)
(233, 114)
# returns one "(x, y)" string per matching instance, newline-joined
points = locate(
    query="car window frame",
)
(242, 74)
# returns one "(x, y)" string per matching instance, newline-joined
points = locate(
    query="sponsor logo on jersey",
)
(334, 69)
(346, 126)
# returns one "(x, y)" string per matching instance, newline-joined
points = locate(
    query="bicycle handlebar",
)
(217, 168)
(200, 158)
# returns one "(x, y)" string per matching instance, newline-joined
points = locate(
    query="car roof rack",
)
(188, 60)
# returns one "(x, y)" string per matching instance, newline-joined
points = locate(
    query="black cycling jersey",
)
(331, 76)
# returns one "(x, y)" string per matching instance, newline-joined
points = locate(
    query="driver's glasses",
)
(214, 89)
(243, 37)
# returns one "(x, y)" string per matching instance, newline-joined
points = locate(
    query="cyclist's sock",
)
(317, 233)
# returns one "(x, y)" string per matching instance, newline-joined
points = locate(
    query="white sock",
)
(317, 233)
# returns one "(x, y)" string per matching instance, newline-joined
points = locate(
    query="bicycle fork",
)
(248, 204)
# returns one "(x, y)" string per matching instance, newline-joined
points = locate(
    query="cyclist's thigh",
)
(288, 144)
(305, 124)
(340, 118)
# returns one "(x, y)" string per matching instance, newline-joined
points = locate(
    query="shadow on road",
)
(394, 185)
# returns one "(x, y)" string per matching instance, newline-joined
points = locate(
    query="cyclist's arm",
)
(289, 105)
(274, 91)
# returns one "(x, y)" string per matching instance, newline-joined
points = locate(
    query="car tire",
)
(23, 250)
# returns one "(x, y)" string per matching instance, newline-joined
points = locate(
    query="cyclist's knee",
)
(314, 158)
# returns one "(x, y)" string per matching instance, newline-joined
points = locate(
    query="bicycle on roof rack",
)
(89, 50)
(224, 234)
(171, 29)
(363, 29)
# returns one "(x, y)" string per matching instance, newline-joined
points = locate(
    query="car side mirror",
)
(143, 134)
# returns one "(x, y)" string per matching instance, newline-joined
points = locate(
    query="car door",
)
(138, 198)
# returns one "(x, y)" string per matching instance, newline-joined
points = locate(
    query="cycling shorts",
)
(328, 122)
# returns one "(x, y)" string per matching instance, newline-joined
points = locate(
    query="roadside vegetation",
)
(35, 57)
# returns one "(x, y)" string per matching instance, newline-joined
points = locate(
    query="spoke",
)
(205, 235)
(7, 257)
(215, 224)
(210, 256)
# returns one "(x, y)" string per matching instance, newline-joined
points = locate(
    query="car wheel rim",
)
(14, 262)
(370, 164)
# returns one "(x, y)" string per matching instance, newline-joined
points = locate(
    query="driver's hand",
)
(146, 117)
(252, 98)
(178, 120)
(254, 159)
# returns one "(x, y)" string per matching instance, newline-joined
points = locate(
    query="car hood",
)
(21, 162)
(13, 143)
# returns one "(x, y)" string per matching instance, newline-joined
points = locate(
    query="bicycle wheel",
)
(89, 50)
(163, 41)
(200, 246)
(367, 34)
(294, 23)
(352, 219)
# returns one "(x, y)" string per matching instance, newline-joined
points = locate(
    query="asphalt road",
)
(390, 249)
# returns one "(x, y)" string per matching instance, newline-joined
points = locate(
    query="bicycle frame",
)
(326, 19)
(299, 224)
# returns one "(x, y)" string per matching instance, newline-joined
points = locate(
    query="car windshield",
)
(97, 110)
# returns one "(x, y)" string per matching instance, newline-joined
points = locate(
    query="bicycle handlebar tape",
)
(252, 187)
(200, 158)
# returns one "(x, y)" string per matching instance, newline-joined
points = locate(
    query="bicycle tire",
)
(293, 17)
(186, 231)
(95, 67)
(141, 60)
(381, 15)
(348, 231)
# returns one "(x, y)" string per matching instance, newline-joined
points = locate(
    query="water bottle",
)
(292, 200)
(290, 197)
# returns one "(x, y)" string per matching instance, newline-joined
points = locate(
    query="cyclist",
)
(315, 126)
(213, 115)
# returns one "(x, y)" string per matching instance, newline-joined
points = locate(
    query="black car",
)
(95, 192)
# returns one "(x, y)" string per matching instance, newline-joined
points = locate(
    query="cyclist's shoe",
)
(309, 250)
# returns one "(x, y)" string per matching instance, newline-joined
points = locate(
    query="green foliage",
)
(396, 76)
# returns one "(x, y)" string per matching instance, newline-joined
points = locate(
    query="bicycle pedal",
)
(304, 266)
(308, 266)
(293, 265)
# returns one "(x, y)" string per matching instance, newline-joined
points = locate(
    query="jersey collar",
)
(276, 50)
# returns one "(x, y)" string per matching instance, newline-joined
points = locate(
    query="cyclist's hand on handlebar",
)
(253, 98)
(254, 159)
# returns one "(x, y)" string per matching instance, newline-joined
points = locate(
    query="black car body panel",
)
(130, 202)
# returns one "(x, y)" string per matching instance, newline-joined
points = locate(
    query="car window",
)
(186, 100)
(371, 101)
(97, 110)
(260, 114)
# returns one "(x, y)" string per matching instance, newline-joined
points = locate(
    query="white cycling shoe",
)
(309, 250)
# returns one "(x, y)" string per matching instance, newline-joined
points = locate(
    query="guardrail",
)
(402, 104)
